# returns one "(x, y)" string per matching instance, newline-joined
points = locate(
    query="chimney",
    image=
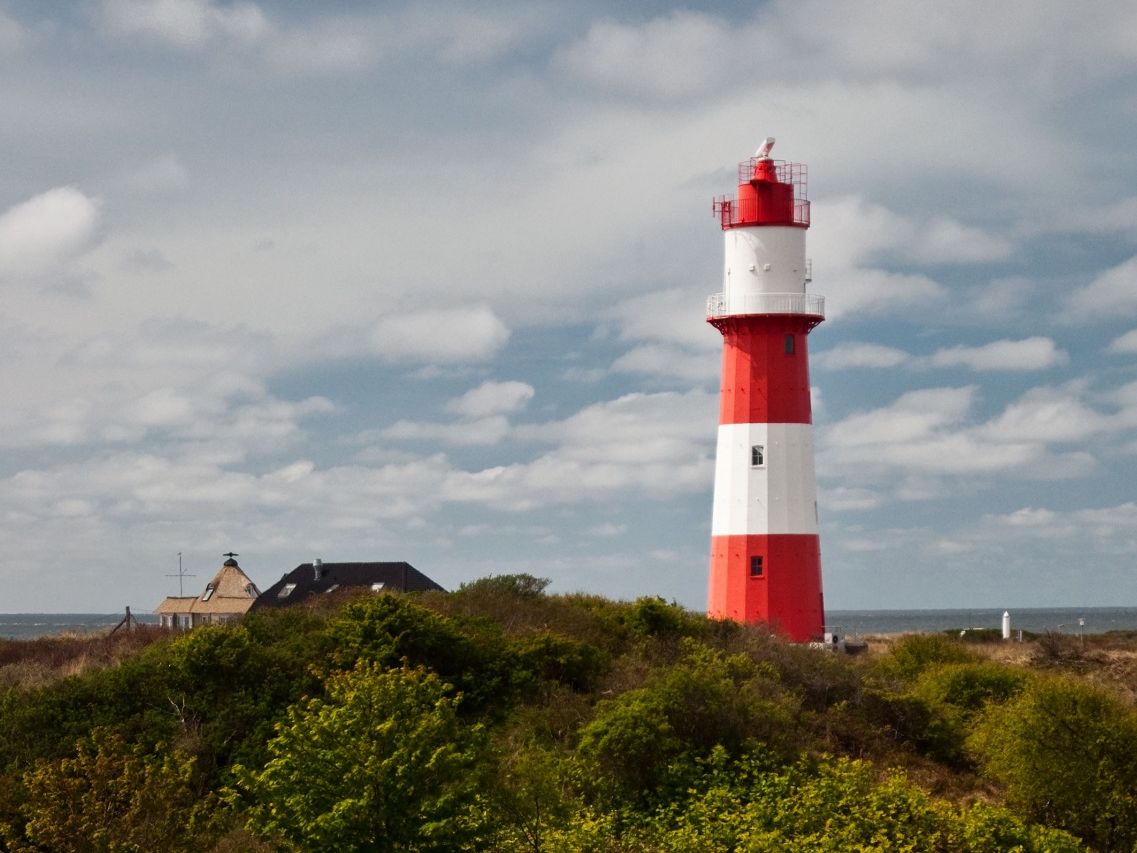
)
(318, 568)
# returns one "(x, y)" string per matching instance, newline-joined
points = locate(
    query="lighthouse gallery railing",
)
(766, 303)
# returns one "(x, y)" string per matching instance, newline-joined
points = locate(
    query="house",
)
(226, 598)
(319, 578)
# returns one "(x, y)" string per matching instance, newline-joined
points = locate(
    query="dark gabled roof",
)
(303, 581)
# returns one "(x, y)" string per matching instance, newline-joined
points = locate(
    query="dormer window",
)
(757, 456)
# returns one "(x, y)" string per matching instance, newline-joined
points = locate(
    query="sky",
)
(427, 282)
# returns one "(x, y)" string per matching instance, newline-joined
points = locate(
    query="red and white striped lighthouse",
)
(765, 549)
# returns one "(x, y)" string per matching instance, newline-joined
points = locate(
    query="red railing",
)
(796, 175)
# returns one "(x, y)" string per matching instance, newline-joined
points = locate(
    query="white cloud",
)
(492, 398)
(672, 316)
(674, 363)
(443, 336)
(164, 173)
(916, 415)
(186, 24)
(1112, 293)
(856, 293)
(945, 241)
(687, 52)
(853, 355)
(482, 431)
(46, 231)
(1035, 353)
(1126, 343)
(12, 34)
(1046, 415)
(336, 44)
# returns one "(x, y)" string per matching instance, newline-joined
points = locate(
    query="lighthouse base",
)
(773, 578)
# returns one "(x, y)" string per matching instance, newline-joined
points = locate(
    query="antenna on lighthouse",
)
(763, 152)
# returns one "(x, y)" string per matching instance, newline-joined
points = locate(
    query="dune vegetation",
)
(500, 717)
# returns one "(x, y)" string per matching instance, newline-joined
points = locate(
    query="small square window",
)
(757, 456)
(789, 344)
(755, 567)
(286, 590)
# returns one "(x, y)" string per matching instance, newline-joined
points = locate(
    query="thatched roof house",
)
(226, 598)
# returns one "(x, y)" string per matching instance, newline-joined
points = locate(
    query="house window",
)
(208, 594)
(332, 588)
(757, 456)
(377, 586)
(286, 590)
(755, 567)
(789, 344)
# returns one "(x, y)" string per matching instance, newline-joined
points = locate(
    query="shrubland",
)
(499, 717)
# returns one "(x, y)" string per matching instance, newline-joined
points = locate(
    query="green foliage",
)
(970, 687)
(113, 797)
(553, 657)
(382, 763)
(754, 803)
(654, 617)
(1065, 751)
(914, 653)
(505, 586)
(388, 629)
(574, 723)
(643, 741)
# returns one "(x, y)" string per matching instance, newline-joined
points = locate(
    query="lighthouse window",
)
(755, 567)
(789, 344)
(757, 456)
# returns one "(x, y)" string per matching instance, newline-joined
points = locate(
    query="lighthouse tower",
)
(765, 550)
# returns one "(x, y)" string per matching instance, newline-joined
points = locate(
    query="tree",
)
(113, 797)
(383, 763)
(1064, 750)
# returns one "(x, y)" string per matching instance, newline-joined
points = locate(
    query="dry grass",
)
(27, 664)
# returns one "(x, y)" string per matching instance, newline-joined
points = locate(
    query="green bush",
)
(912, 654)
(1064, 749)
(381, 763)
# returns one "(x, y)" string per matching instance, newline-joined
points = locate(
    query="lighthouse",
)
(765, 548)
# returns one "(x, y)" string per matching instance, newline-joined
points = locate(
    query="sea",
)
(1069, 620)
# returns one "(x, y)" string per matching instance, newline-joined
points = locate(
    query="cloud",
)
(674, 315)
(1112, 293)
(858, 293)
(185, 24)
(165, 173)
(852, 355)
(443, 336)
(229, 412)
(854, 231)
(687, 52)
(1035, 353)
(1110, 529)
(1127, 343)
(669, 362)
(1047, 415)
(482, 431)
(945, 241)
(492, 398)
(12, 34)
(46, 231)
(335, 44)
